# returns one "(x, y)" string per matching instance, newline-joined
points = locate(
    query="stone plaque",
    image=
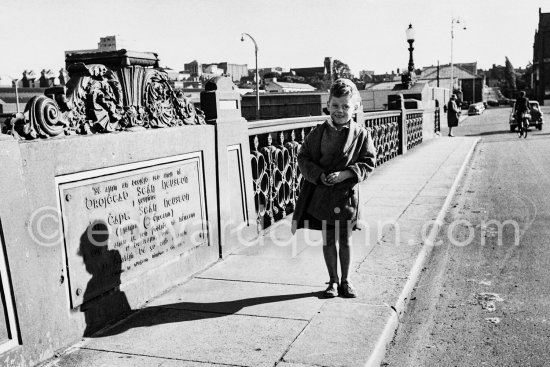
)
(119, 225)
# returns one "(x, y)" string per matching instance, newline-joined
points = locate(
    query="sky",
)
(365, 34)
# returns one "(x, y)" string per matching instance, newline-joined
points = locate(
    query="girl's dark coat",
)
(358, 155)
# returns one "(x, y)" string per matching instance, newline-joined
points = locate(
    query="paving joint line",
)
(227, 313)
(258, 281)
(162, 357)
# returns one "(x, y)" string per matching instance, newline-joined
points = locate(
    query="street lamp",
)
(409, 78)
(453, 21)
(257, 74)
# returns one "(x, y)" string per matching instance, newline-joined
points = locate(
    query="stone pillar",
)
(402, 125)
(221, 102)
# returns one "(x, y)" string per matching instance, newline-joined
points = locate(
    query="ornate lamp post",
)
(453, 22)
(257, 74)
(409, 78)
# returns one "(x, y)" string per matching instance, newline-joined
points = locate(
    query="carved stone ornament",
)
(97, 99)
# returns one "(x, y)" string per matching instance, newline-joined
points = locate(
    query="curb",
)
(379, 351)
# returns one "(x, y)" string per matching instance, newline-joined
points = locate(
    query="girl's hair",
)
(344, 87)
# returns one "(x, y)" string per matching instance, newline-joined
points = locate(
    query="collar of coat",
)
(353, 133)
(345, 126)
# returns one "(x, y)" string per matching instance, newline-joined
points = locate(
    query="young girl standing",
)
(333, 159)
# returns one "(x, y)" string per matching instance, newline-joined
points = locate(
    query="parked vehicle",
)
(476, 109)
(536, 117)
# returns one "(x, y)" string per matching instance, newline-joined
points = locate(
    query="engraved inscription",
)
(124, 224)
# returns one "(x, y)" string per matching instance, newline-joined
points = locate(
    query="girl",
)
(333, 159)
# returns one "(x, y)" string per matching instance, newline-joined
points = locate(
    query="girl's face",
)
(341, 109)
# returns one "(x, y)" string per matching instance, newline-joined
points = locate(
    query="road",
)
(484, 295)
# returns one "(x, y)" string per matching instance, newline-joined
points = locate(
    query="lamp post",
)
(257, 74)
(453, 22)
(409, 78)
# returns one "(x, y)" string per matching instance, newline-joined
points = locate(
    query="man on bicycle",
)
(521, 111)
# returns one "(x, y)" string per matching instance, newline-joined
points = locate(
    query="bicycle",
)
(523, 124)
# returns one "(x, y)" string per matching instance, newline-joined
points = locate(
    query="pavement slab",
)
(99, 358)
(244, 298)
(341, 335)
(201, 337)
(296, 271)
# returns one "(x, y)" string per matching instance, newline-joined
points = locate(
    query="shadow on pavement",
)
(191, 311)
(488, 133)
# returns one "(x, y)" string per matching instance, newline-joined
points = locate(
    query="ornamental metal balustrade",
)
(414, 128)
(384, 128)
(274, 146)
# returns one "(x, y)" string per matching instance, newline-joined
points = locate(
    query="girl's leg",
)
(345, 252)
(344, 242)
(330, 254)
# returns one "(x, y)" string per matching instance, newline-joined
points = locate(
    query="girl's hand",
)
(324, 180)
(337, 177)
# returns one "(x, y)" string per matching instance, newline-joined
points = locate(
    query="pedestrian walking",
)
(335, 156)
(453, 113)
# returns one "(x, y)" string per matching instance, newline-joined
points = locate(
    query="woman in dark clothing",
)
(452, 114)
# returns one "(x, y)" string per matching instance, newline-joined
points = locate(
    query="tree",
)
(319, 82)
(510, 75)
(341, 70)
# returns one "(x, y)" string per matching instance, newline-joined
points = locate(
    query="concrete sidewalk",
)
(262, 306)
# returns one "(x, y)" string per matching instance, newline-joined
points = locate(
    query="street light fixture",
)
(257, 74)
(453, 22)
(409, 78)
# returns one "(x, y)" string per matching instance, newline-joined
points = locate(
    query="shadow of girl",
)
(104, 303)
(192, 311)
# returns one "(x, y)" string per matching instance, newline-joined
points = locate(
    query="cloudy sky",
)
(366, 34)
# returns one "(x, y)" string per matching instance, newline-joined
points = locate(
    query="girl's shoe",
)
(331, 291)
(347, 290)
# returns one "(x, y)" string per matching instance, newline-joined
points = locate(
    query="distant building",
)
(107, 43)
(29, 79)
(326, 69)
(369, 77)
(207, 71)
(274, 70)
(234, 71)
(541, 59)
(273, 86)
(194, 67)
(464, 78)
(47, 79)
(377, 96)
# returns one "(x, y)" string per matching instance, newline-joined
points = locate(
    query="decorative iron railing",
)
(384, 128)
(414, 128)
(274, 146)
